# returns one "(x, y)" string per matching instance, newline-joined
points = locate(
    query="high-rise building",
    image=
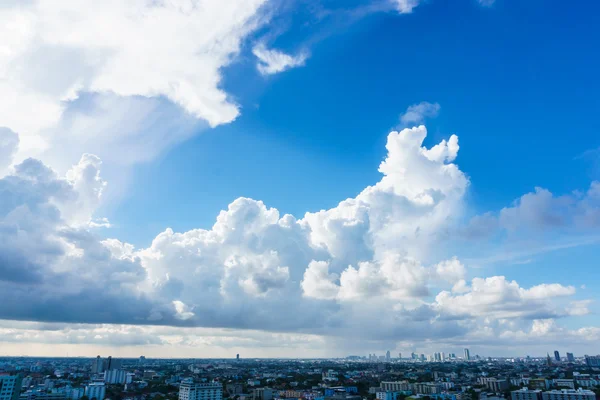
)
(570, 357)
(237, 357)
(142, 359)
(112, 363)
(388, 356)
(556, 355)
(592, 361)
(97, 365)
(115, 376)
(188, 390)
(10, 387)
(467, 355)
(95, 390)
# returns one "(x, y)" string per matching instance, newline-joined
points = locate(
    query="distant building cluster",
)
(436, 376)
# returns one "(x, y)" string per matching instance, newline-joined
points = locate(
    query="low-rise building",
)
(189, 390)
(526, 394)
(569, 394)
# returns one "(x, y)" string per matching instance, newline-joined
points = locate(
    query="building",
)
(188, 390)
(142, 359)
(42, 395)
(467, 355)
(234, 389)
(74, 393)
(388, 356)
(539, 383)
(526, 394)
(149, 374)
(566, 383)
(388, 395)
(556, 356)
(592, 361)
(10, 387)
(569, 394)
(111, 363)
(262, 394)
(237, 357)
(399, 386)
(494, 384)
(95, 390)
(115, 376)
(570, 357)
(97, 365)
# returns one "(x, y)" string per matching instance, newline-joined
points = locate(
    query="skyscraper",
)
(467, 355)
(556, 355)
(237, 357)
(388, 356)
(570, 357)
(97, 366)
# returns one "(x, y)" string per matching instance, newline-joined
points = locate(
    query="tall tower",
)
(467, 355)
(556, 355)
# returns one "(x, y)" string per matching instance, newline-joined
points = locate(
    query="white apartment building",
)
(569, 394)
(526, 394)
(95, 390)
(10, 387)
(398, 386)
(115, 376)
(189, 390)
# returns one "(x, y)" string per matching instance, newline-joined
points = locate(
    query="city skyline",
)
(308, 178)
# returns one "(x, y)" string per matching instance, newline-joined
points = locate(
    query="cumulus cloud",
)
(9, 142)
(496, 297)
(328, 273)
(272, 61)
(56, 51)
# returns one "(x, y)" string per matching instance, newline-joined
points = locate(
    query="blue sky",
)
(515, 81)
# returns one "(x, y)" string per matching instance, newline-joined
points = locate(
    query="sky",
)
(308, 178)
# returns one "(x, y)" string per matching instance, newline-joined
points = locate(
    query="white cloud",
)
(329, 273)
(543, 212)
(271, 61)
(417, 113)
(496, 297)
(406, 6)
(53, 51)
(9, 143)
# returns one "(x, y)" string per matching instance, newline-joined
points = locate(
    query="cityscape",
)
(438, 376)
